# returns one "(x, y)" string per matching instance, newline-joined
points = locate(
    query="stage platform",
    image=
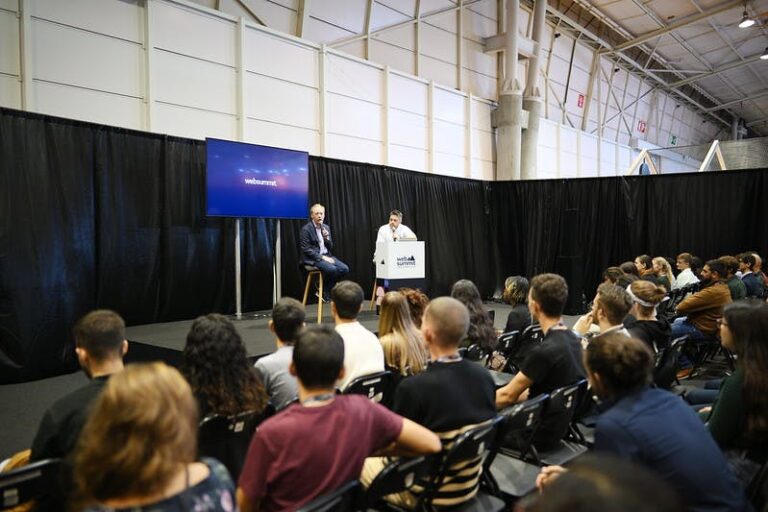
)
(23, 405)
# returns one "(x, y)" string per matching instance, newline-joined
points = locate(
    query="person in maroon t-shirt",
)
(317, 445)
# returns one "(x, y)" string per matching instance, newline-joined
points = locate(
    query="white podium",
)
(403, 259)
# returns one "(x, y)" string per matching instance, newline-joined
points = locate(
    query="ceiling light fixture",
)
(746, 21)
(764, 56)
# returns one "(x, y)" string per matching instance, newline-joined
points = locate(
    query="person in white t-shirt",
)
(363, 354)
(395, 230)
(686, 275)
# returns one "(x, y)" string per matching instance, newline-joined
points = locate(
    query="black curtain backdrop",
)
(94, 216)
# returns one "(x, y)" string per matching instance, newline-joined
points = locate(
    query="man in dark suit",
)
(316, 245)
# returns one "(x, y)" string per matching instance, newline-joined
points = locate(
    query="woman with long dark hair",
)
(739, 417)
(216, 366)
(481, 329)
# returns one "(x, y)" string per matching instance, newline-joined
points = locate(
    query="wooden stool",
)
(311, 272)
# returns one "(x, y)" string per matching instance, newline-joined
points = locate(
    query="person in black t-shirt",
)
(554, 363)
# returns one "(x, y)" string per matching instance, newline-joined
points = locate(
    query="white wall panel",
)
(87, 105)
(355, 149)
(438, 44)
(408, 94)
(449, 138)
(404, 37)
(271, 134)
(11, 5)
(9, 43)
(408, 158)
(449, 165)
(354, 79)
(283, 102)
(269, 55)
(118, 19)
(70, 56)
(394, 56)
(482, 145)
(277, 15)
(354, 117)
(408, 129)
(355, 49)
(477, 26)
(450, 106)
(194, 124)
(482, 170)
(384, 16)
(438, 71)
(196, 83)
(10, 92)
(323, 32)
(181, 30)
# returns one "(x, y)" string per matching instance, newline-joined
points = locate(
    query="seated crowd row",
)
(131, 434)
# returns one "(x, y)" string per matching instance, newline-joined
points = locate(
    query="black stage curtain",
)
(95, 216)
(580, 227)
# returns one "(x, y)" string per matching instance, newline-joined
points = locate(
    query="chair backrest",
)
(521, 423)
(378, 387)
(475, 353)
(584, 400)
(227, 438)
(560, 409)
(34, 481)
(476, 443)
(667, 364)
(343, 499)
(506, 342)
(398, 476)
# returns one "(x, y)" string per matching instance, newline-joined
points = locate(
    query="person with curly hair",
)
(215, 363)
(137, 451)
(481, 331)
(404, 351)
(516, 295)
(417, 303)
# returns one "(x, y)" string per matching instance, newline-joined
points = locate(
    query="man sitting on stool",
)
(316, 245)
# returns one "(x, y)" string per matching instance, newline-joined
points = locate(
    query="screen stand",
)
(238, 300)
(277, 291)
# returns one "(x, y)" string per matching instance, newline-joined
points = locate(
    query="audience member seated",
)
(404, 352)
(609, 309)
(629, 267)
(100, 345)
(553, 363)
(686, 276)
(752, 281)
(363, 354)
(320, 443)
(739, 417)
(417, 303)
(656, 428)
(704, 308)
(516, 295)
(286, 324)
(137, 449)
(215, 364)
(735, 285)
(450, 397)
(611, 275)
(697, 264)
(759, 269)
(645, 324)
(644, 265)
(605, 483)
(663, 273)
(481, 331)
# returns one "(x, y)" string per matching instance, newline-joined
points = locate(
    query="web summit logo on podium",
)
(406, 261)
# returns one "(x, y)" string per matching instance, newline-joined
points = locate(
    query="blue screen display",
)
(247, 180)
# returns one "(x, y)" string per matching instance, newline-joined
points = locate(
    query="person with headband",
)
(645, 324)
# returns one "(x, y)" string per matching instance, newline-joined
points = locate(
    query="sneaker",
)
(684, 373)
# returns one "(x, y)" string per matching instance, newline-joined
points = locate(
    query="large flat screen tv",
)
(248, 180)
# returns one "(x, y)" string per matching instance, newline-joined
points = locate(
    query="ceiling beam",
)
(677, 25)
(757, 121)
(359, 37)
(736, 102)
(498, 43)
(302, 15)
(716, 71)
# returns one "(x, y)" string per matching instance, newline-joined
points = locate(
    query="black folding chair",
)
(479, 442)
(378, 387)
(227, 438)
(584, 406)
(398, 476)
(561, 406)
(343, 499)
(37, 481)
(668, 364)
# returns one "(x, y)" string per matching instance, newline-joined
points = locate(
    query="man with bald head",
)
(452, 394)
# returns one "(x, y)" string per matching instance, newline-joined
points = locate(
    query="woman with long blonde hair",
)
(137, 450)
(664, 272)
(404, 351)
